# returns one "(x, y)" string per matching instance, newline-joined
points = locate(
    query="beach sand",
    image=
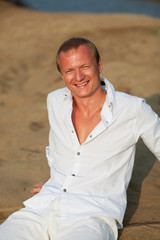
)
(130, 49)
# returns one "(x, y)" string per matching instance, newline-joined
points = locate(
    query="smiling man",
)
(93, 133)
(80, 71)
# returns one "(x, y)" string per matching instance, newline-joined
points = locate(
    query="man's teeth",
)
(83, 84)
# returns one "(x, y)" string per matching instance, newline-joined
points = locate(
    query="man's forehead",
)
(83, 47)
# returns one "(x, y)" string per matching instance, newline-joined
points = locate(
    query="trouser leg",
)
(86, 229)
(24, 225)
(94, 228)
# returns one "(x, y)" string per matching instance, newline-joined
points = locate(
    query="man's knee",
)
(22, 225)
(86, 229)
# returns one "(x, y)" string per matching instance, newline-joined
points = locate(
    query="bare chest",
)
(84, 124)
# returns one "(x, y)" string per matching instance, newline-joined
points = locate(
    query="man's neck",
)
(90, 104)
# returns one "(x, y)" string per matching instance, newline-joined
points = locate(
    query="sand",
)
(130, 49)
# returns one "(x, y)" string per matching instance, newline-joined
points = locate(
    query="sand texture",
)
(130, 49)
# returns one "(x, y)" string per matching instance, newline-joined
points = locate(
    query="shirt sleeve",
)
(148, 127)
(49, 149)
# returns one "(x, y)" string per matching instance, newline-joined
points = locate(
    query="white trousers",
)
(25, 224)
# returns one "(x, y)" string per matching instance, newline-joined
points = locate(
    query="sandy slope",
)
(130, 50)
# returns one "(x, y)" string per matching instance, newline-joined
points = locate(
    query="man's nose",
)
(79, 75)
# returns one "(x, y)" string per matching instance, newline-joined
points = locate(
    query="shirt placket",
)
(68, 182)
(75, 169)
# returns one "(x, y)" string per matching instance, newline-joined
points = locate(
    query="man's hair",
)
(76, 42)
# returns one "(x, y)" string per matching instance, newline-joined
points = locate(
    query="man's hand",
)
(37, 188)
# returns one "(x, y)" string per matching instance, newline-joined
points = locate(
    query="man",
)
(93, 133)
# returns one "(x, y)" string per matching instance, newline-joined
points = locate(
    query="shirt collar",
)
(109, 89)
(107, 110)
(67, 94)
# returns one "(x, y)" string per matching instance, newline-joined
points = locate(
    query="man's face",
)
(80, 71)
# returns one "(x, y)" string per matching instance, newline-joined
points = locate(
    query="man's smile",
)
(82, 84)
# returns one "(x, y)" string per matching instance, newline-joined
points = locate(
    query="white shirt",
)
(91, 178)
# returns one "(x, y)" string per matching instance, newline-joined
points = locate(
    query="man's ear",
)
(62, 76)
(100, 65)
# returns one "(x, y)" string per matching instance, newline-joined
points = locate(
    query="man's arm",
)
(148, 128)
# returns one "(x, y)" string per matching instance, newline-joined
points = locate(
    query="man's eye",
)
(68, 71)
(85, 66)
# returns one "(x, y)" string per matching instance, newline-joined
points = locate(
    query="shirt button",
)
(72, 131)
(64, 190)
(78, 153)
(90, 136)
